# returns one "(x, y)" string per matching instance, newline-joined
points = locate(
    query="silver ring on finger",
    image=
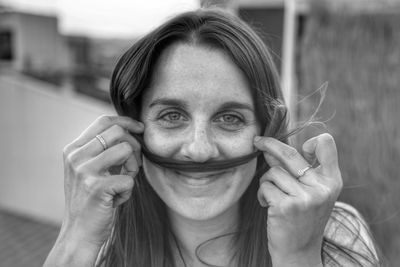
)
(303, 171)
(102, 141)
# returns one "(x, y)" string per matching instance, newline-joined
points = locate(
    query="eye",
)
(171, 119)
(229, 118)
(230, 121)
(172, 116)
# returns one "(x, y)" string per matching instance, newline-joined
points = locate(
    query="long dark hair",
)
(142, 234)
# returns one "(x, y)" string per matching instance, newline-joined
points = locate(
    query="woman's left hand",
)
(299, 205)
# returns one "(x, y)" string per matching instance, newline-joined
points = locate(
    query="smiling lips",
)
(199, 179)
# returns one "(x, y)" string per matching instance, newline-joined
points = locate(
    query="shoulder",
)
(344, 223)
(348, 238)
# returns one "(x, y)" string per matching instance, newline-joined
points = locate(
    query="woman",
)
(208, 178)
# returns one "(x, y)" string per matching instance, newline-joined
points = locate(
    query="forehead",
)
(199, 74)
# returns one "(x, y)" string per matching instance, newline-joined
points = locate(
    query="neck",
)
(192, 233)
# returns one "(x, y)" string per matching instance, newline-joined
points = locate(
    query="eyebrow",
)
(183, 105)
(168, 102)
(236, 105)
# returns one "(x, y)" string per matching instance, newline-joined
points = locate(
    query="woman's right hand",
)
(91, 192)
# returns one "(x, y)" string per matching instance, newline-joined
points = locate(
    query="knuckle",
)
(126, 147)
(327, 191)
(129, 182)
(66, 150)
(327, 194)
(274, 170)
(326, 138)
(264, 142)
(81, 171)
(72, 159)
(118, 131)
(265, 186)
(290, 153)
(263, 178)
(69, 148)
(105, 120)
(307, 201)
(92, 185)
(271, 174)
(323, 197)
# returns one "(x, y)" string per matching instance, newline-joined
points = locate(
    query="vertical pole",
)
(288, 79)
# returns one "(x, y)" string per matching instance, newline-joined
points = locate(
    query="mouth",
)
(199, 178)
(200, 175)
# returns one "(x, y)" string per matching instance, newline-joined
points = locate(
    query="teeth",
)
(199, 176)
(198, 180)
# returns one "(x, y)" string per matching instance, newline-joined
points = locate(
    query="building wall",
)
(37, 43)
(37, 121)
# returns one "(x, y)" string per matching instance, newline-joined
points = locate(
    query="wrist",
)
(72, 250)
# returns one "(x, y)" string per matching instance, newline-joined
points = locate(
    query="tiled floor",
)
(24, 242)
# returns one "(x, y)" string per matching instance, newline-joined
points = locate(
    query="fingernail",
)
(257, 138)
(141, 124)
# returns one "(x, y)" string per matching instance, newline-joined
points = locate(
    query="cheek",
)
(153, 175)
(245, 174)
(237, 145)
(159, 142)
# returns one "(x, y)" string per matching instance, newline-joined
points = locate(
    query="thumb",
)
(308, 149)
(322, 148)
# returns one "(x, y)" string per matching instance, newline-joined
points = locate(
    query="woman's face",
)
(199, 108)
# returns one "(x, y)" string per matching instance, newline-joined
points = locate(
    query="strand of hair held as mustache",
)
(191, 166)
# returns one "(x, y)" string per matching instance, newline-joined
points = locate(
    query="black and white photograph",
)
(200, 133)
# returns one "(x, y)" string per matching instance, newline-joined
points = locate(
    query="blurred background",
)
(56, 58)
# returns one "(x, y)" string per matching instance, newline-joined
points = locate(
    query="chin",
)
(200, 196)
(201, 209)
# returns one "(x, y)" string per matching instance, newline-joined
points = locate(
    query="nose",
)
(199, 145)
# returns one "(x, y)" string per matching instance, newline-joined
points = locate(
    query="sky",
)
(111, 18)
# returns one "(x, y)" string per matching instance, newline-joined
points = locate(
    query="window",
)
(6, 49)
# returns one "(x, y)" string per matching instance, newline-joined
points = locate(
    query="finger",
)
(104, 122)
(271, 160)
(283, 180)
(115, 155)
(120, 187)
(287, 156)
(308, 149)
(112, 136)
(269, 195)
(323, 148)
(131, 166)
